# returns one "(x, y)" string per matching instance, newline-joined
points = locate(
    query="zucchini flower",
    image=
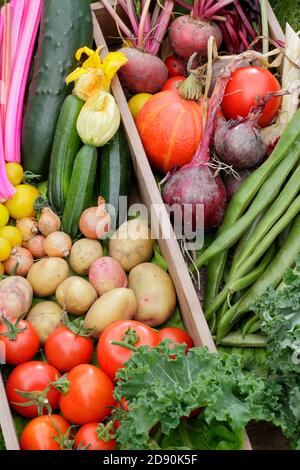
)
(99, 119)
(95, 74)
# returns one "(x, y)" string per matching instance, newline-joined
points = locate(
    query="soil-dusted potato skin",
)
(46, 275)
(155, 294)
(45, 317)
(83, 253)
(15, 297)
(132, 244)
(143, 73)
(117, 304)
(76, 295)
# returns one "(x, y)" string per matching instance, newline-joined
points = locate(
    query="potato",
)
(132, 244)
(46, 275)
(155, 294)
(45, 317)
(83, 254)
(76, 295)
(106, 274)
(15, 297)
(117, 304)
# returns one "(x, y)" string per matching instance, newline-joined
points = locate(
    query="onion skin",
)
(239, 144)
(28, 228)
(106, 274)
(94, 226)
(194, 186)
(49, 222)
(188, 35)
(143, 73)
(19, 263)
(36, 246)
(58, 244)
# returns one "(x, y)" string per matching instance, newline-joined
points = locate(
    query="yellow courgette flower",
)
(95, 74)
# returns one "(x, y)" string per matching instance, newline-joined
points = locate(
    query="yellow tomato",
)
(1, 269)
(15, 173)
(22, 204)
(137, 102)
(4, 216)
(5, 250)
(12, 235)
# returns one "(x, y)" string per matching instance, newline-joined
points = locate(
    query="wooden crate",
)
(189, 303)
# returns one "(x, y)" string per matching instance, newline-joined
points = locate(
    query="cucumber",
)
(65, 148)
(80, 193)
(115, 172)
(65, 27)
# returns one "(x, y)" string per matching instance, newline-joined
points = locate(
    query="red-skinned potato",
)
(106, 274)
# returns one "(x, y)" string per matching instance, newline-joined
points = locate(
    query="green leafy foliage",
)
(280, 321)
(161, 391)
(287, 11)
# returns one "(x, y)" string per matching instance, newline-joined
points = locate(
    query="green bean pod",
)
(272, 277)
(266, 195)
(237, 283)
(278, 208)
(242, 199)
(236, 339)
(249, 324)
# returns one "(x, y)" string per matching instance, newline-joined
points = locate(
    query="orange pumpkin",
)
(170, 128)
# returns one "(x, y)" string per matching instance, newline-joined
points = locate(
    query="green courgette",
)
(80, 193)
(65, 27)
(65, 148)
(115, 172)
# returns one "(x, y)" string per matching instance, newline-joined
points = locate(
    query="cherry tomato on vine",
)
(87, 395)
(30, 383)
(112, 357)
(45, 433)
(245, 86)
(21, 341)
(176, 335)
(66, 350)
(89, 437)
(173, 83)
(175, 66)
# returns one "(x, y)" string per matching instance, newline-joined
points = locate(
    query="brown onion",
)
(36, 246)
(49, 222)
(58, 244)
(95, 222)
(19, 262)
(28, 228)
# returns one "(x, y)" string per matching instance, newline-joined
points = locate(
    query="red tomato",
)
(245, 85)
(20, 346)
(89, 395)
(175, 66)
(88, 436)
(176, 335)
(32, 377)
(112, 357)
(66, 350)
(172, 83)
(39, 433)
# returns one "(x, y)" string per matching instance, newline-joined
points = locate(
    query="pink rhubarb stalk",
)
(12, 128)
(6, 188)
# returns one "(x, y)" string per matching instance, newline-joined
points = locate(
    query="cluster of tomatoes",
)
(65, 388)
